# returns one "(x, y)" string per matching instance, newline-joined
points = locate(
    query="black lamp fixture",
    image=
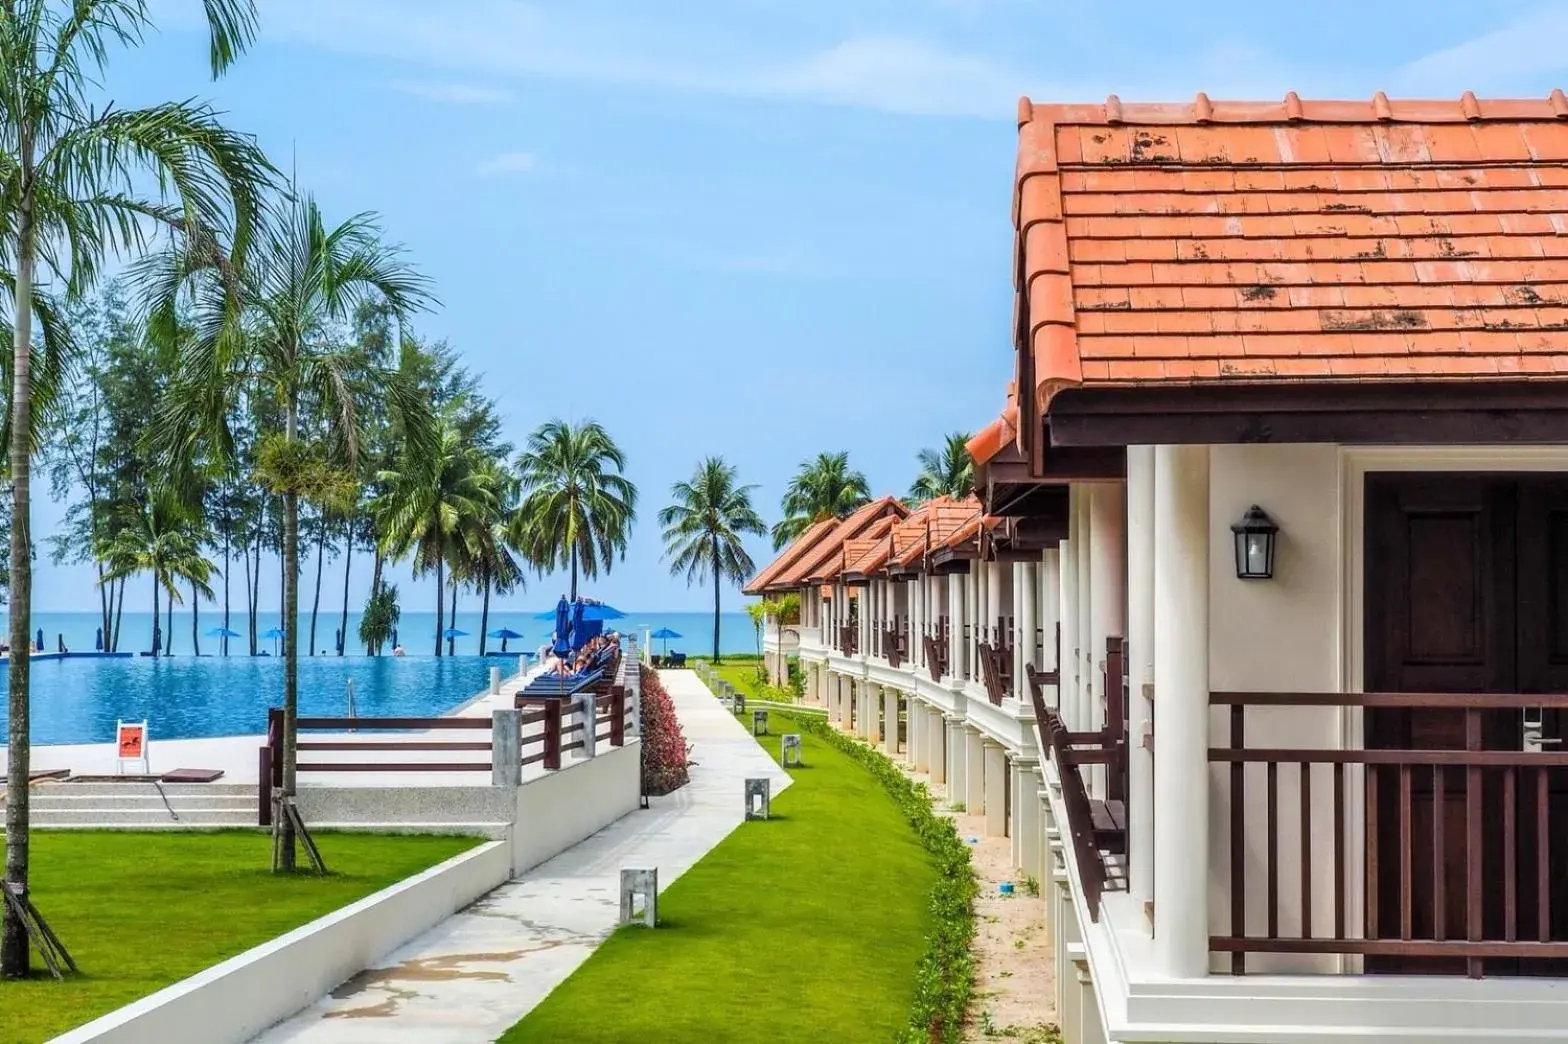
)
(1255, 537)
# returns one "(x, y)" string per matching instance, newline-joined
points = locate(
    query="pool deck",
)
(236, 755)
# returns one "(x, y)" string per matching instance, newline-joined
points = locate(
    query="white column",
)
(974, 614)
(919, 745)
(974, 764)
(955, 623)
(871, 702)
(1140, 671)
(938, 740)
(1026, 818)
(1027, 594)
(1068, 697)
(995, 790)
(993, 600)
(1049, 615)
(890, 721)
(1181, 680)
(1089, 711)
(957, 776)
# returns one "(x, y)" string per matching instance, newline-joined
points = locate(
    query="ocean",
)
(417, 631)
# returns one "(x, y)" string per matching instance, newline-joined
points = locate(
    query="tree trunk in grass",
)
(718, 582)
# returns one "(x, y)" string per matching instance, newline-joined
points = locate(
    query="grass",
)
(741, 672)
(140, 911)
(808, 926)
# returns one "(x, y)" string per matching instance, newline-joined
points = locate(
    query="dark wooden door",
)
(1466, 590)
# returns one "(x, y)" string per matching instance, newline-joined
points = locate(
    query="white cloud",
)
(509, 163)
(455, 93)
(1512, 58)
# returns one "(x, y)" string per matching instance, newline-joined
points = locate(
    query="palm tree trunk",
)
(348, 564)
(574, 573)
(226, 586)
(119, 613)
(14, 948)
(440, 603)
(195, 620)
(168, 627)
(718, 584)
(315, 606)
(290, 642)
(106, 597)
(451, 643)
(157, 629)
(250, 599)
(484, 616)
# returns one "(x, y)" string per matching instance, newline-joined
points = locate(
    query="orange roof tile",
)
(864, 553)
(789, 556)
(1251, 242)
(831, 543)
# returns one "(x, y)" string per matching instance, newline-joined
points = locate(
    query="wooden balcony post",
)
(552, 735)
(1181, 677)
(618, 717)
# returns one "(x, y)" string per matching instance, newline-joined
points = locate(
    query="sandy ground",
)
(1014, 975)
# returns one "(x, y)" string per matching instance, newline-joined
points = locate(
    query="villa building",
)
(1254, 637)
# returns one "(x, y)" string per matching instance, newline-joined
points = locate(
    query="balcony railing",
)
(996, 670)
(1458, 825)
(848, 639)
(893, 645)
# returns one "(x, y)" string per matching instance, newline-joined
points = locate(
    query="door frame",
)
(1355, 462)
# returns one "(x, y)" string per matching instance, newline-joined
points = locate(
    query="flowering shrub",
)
(665, 755)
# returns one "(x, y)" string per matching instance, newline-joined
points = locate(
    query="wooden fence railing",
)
(1457, 875)
(549, 727)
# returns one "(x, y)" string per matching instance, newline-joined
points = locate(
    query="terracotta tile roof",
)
(831, 543)
(907, 541)
(789, 556)
(864, 553)
(1293, 240)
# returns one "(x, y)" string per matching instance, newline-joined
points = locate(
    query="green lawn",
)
(139, 911)
(807, 927)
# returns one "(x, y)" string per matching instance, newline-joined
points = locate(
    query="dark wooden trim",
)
(1318, 756)
(1388, 947)
(394, 745)
(368, 724)
(1425, 700)
(404, 766)
(1450, 412)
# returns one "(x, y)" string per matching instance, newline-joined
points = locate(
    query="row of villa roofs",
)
(1171, 257)
(881, 538)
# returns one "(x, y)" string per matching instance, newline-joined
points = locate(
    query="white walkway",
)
(470, 978)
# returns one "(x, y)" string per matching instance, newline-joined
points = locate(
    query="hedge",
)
(944, 977)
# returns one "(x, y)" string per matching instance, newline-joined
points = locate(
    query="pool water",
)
(79, 700)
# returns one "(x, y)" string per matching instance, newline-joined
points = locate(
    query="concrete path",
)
(473, 976)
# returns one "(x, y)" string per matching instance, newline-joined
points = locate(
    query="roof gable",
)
(789, 556)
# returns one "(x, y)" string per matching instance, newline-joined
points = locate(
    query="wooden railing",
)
(1457, 870)
(542, 724)
(893, 641)
(936, 657)
(996, 670)
(848, 639)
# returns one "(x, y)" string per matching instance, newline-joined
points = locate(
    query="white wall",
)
(1278, 635)
(233, 1001)
(557, 810)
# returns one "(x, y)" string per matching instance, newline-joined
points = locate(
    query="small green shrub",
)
(944, 978)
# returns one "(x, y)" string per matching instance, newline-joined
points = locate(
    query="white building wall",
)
(1278, 635)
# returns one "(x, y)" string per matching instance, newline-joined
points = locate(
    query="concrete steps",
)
(141, 806)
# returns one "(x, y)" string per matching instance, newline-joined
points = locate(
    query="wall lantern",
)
(1255, 537)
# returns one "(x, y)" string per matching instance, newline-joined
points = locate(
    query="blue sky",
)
(756, 228)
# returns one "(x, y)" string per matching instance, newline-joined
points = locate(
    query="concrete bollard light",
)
(739, 703)
(759, 722)
(757, 798)
(640, 882)
(789, 750)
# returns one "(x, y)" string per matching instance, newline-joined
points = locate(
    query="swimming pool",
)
(79, 700)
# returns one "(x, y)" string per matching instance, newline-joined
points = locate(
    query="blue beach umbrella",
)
(274, 633)
(579, 633)
(222, 632)
(506, 634)
(595, 610)
(665, 634)
(453, 632)
(563, 625)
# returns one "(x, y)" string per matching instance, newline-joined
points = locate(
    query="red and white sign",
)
(130, 741)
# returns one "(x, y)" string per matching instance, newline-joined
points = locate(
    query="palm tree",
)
(160, 539)
(427, 510)
(578, 507)
(822, 488)
(267, 329)
(70, 172)
(485, 561)
(947, 472)
(703, 529)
